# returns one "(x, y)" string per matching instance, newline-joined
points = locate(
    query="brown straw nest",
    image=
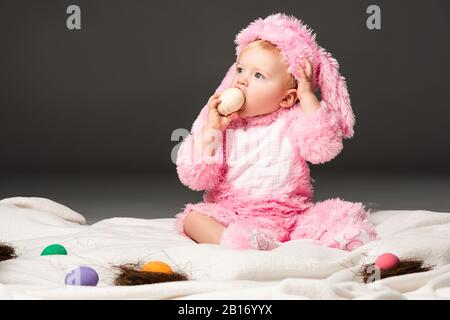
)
(131, 275)
(7, 252)
(406, 266)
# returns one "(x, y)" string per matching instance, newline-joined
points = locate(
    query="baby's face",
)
(262, 76)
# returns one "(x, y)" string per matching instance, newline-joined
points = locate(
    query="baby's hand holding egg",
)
(232, 100)
(223, 108)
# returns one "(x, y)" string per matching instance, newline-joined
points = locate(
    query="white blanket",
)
(296, 270)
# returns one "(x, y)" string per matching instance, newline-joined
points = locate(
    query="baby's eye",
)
(259, 75)
(238, 69)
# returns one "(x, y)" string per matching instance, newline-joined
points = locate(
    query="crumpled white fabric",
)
(295, 270)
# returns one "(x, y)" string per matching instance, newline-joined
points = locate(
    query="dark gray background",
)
(86, 116)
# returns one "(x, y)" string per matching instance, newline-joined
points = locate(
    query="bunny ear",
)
(228, 79)
(334, 91)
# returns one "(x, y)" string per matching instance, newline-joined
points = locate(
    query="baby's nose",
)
(242, 81)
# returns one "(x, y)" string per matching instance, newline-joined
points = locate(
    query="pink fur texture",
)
(335, 223)
(286, 212)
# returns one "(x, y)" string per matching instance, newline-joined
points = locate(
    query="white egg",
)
(232, 100)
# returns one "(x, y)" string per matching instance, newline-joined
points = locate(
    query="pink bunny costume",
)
(259, 177)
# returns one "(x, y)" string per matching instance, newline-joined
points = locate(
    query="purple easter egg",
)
(82, 276)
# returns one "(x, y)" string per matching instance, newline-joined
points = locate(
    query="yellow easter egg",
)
(156, 266)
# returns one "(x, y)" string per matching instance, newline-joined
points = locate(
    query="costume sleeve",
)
(196, 170)
(318, 135)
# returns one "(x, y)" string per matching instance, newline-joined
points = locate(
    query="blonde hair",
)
(263, 44)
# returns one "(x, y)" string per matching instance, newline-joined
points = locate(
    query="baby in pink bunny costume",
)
(252, 163)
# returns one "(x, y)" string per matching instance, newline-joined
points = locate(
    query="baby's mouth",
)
(243, 106)
(245, 99)
(245, 102)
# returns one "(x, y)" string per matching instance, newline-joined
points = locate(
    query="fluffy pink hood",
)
(296, 41)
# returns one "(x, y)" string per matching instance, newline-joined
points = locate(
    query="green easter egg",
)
(54, 249)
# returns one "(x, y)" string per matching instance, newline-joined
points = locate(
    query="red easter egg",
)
(387, 261)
